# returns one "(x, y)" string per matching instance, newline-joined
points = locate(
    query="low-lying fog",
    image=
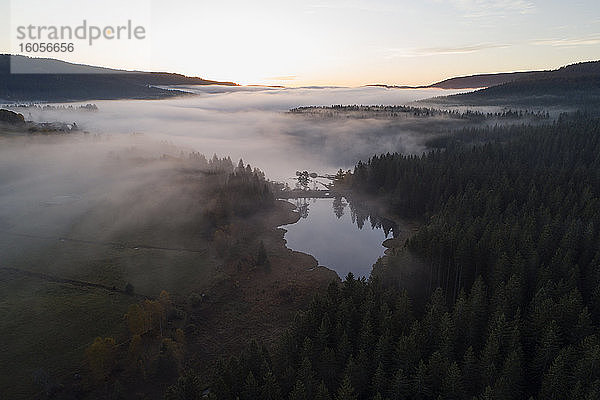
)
(49, 185)
(251, 123)
(96, 186)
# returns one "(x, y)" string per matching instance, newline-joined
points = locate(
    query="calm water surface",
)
(333, 237)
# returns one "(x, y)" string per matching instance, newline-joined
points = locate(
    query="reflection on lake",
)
(337, 236)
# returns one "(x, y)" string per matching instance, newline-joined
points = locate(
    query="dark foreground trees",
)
(511, 234)
(363, 341)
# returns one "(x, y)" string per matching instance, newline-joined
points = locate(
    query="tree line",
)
(511, 233)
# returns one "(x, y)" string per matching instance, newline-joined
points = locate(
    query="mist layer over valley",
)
(132, 180)
(252, 123)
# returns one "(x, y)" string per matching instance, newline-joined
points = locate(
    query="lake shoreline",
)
(338, 235)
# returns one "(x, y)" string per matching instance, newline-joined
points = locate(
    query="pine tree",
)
(251, 388)
(421, 387)
(270, 389)
(380, 381)
(306, 375)
(322, 392)
(470, 373)
(452, 384)
(298, 392)
(401, 387)
(346, 391)
(187, 387)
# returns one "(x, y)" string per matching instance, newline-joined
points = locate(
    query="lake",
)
(333, 237)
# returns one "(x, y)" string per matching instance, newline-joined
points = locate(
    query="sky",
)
(329, 42)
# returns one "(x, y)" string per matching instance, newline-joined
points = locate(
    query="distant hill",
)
(471, 81)
(489, 80)
(575, 85)
(579, 70)
(55, 80)
(482, 80)
(11, 117)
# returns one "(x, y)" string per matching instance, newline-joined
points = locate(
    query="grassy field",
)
(76, 231)
(148, 270)
(47, 322)
(46, 326)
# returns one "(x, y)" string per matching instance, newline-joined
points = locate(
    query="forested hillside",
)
(571, 71)
(511, 232)
(55, 80)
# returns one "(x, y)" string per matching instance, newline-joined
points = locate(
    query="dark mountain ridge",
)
(574, 86)
(55, 80)
(579, 70)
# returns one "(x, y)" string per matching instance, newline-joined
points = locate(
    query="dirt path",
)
(74, 282)
(112, 244)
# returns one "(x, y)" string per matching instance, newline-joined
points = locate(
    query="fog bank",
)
(251, 123)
